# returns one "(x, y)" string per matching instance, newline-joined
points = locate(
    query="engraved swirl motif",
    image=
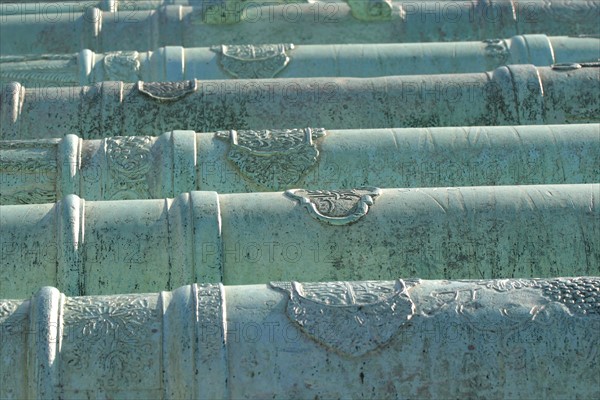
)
(371, 10)
(253, 61)
(121, 66)
(40, 69)
(336, 207)
(167, 91)
(579, 295)
(111, 335)
(497, 51)
(30, 196)
(7, 307)
(129, 163)
(273, 159)
(353, 318)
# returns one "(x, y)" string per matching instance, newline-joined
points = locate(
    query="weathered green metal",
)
(306, 23)
(175, 63)
(141, 167)
(517, 94)
(104, 247)
(502, 339)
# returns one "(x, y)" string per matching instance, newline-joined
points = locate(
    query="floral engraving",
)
(253, 61)
(167, 91)
(273, 159)
(353, 318)
(111, 338)
(129, 161)
(121, 66)
(336, 207)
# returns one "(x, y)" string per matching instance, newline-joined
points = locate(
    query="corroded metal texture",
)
(501, 339)
(144, 167)
(373, 21)
(363, 233)
(516, 94)
(286, 60)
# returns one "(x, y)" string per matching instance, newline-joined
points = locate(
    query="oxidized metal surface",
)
(501, 339)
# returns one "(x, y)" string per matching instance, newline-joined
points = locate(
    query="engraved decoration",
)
(167, 91)
(371, 10)
(212, 328)
(28, 171)
(40, 69)
(129, 161)
(113, 338)
(353, 318)
(273, 159)
(336, 207)
(580, 295)
(497, 51)
(121, 66)
(253, 61)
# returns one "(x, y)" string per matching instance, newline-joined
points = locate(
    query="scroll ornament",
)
(336, 207)
(273, 159)
(352, 318)
(122, 66)
(129, 164)
(167, 91)
(253, 61)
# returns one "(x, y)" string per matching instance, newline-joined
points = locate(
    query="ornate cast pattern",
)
(273, 159)
(210, 319)
(129, 164)
(40, 70)
(497, 50)
(35, 166)
(113, 337)
(336, 207)
(566, 11)
(167, 91)
(30, 196)
(580, 295)
(8, 307)
(28, 156)
(353, 318)
(371, 10)
(253, 61)
(121, 66)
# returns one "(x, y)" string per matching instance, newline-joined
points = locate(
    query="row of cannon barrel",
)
(210, 199)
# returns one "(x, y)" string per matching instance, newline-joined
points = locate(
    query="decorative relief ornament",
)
(353, 318)
(111, 337)
(253, 61)
(371, 10)
(273, 159)
(121, 66)
(40, 69)
(167, 91)
(129, 161)
(336, 207)
(579, 295)
(497, 50)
